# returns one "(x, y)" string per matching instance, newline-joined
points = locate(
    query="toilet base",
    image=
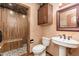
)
(42, 54)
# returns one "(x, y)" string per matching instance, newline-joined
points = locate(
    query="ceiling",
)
(15, 7)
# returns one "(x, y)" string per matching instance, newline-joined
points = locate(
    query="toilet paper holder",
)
(32, 40)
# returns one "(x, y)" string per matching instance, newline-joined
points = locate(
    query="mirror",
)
(67, 18)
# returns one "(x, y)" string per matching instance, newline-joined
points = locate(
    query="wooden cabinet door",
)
(45, 14)
(42, 15)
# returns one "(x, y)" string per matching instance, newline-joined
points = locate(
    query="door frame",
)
(28, 40)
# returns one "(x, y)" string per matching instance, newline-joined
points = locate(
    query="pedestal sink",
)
(64, 43)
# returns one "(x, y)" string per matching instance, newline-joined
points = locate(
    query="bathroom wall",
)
(35, 29)
(50, 30)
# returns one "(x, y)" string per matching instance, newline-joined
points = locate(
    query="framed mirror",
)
(68, 18)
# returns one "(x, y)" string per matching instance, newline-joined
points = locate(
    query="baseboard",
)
(49, 53)
(27, 54)
(30, 54)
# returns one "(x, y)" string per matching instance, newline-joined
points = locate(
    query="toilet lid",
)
(39, 48)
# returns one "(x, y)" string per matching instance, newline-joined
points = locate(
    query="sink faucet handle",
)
(64, 36)
(60, 36)
(69, 37)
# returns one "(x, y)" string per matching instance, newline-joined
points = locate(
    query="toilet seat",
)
(38, 48)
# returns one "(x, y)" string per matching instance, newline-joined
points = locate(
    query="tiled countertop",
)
(16, 52)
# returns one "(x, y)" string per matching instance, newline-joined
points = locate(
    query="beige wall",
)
(50, 30)
(35, 30)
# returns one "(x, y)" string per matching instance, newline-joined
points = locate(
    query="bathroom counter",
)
(16, 52)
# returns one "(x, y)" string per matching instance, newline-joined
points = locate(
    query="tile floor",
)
(16, 52)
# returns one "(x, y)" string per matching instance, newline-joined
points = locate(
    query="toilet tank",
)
(45, 41)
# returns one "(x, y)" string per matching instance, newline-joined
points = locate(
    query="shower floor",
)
(16, 52)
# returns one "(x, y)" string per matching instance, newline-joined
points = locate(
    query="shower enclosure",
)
(14, 29)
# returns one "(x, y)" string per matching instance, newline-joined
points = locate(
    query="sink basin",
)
(65, 42)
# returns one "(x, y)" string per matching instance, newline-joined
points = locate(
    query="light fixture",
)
(23, 16)
(11, 12)
(10, 4)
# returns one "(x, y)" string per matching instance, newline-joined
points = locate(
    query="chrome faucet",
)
(64, 36)
(60, 36)
(69, 37)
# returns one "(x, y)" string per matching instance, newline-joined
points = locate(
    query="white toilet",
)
(40, 49)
